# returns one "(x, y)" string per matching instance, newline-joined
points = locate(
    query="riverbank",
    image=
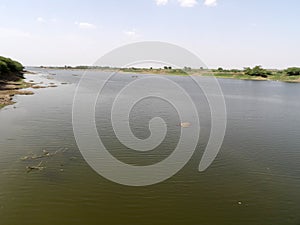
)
(8, 89)
(267, 75)
(273, 76)
(11, 81)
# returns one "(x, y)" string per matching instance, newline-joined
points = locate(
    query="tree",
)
(293, 71)
(235, 71)
(186, 68)
(257, 71)
(10, 67)
(3, 67)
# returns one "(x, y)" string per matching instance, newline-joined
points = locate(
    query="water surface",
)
(254, 180)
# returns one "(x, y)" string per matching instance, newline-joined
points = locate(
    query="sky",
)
(222, 33)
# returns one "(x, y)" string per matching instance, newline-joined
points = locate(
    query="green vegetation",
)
(257, 71)
(11, 74)
(167, 70)
(293, 71)
(10, 68)
(221, 70)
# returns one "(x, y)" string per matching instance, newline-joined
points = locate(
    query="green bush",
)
(293, 71)
(11, 65)
(3, 67)
(221, 70)
(82, 67)
(10, 69)
(257, 71)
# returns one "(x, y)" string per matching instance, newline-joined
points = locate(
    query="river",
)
(255, 178)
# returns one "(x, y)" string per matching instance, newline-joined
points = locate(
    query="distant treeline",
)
(259, 71)
(78, 67)
(9, 67)
(256, 71)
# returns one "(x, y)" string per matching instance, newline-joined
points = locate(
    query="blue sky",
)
(227, 33)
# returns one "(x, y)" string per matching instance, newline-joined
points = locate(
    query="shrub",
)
(3, 67)
(10, 69)
(293, 71)
(257, 71)
(13, 66)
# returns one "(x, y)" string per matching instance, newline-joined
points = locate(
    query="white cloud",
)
(40, 20)
(187, 3)
(132, 34)
(182, 3)
(210, 3)
(44, 20)
(161, 2)
(84, 25)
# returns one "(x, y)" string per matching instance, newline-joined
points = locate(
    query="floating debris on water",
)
(44, 154)
(37, 167)
(185, 124)
(38, 86)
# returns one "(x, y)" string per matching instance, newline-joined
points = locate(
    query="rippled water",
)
(254, 180)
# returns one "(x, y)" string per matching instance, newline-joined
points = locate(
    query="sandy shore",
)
(10, 88)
